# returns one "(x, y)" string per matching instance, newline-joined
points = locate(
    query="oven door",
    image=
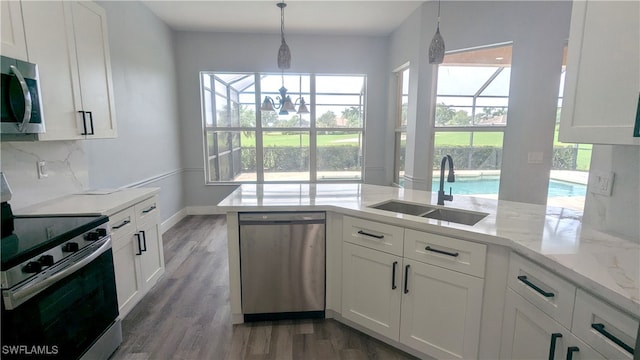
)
(66, 318)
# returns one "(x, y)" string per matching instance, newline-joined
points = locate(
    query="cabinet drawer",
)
(459, 255)
(608, 330)
(373, 235)
(147, 210)
(122, 225)
(545, 290)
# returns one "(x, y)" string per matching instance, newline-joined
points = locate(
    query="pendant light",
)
(285, 105)
(436, 48)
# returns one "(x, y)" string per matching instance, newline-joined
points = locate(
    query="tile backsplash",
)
(65, 163)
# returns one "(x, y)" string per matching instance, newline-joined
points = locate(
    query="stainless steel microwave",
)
(21, 103)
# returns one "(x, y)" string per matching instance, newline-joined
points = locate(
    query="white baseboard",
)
(174, 219)
(204, 210)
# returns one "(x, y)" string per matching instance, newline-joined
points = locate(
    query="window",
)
(570, 164)
(243, 144)
(472, 99)
(402, 101)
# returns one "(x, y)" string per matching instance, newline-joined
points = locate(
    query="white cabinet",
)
(529, 333)
(69, 42)
(441, 311)
(138, 255)
(371, 289)
(541, 322)
(13, 43)
(602, 87)
(426, 299)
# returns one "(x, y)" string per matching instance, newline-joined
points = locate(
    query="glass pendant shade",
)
(288, 105)
(267, 105)
(284, 56)
(436, 48)
(302, 109)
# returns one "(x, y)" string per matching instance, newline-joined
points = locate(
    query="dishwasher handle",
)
(279, 218)
(282, 222)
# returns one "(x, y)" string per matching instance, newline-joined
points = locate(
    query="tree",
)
(327, 120)
(445, 115)
(353, 116)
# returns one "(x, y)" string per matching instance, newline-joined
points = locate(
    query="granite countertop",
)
(604, 264)
(106, 202)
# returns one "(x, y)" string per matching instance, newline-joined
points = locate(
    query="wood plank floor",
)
(187, 314)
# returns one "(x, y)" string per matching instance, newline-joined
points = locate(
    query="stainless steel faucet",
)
(450, 178)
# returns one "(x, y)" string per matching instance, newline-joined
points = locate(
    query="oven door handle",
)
(14, 298)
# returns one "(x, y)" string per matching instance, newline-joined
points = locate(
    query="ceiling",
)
(301, 16)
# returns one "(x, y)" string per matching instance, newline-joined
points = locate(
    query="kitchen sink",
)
(404, 207)
(432, 212)
(457, 216)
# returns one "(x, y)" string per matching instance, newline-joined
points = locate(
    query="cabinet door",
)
(603, 73)
(152, 258)
(12, 31)
(127, 271)
(94, 67)
(441, 311)
(528, 333)
(370, 293)
(49, 33)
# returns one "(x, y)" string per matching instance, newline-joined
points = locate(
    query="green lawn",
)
(278, 139)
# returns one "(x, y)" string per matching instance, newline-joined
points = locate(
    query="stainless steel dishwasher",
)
(282, 265)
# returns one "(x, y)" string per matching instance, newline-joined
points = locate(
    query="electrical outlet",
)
(42, 169)
(602, 183)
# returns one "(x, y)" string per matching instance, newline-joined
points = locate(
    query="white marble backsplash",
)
(66, 165)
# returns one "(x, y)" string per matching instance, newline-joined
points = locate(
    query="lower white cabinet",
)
(371, 289)
(138, 255)
(441, 311)
(430, 308)
(529, 333)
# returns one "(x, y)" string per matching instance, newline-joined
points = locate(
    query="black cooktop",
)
(24, 237)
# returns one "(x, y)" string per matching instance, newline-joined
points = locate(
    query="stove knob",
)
(91, 236)
(46, 260)
(70, 247)
(101, 232)
(32, 267)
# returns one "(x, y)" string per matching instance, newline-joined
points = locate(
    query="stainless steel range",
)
(58, 287)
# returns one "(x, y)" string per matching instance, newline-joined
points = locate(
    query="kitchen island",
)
(600, 264)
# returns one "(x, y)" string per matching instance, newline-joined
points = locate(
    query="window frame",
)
(399, 127)
(259, 130)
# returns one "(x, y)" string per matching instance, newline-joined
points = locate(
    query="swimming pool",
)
(490, 185)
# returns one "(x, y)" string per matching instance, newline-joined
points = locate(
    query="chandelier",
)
(285, 105)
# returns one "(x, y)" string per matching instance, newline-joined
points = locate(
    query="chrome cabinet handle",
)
(534, 287)
(27, 98)
(372, 235)
(600, 328)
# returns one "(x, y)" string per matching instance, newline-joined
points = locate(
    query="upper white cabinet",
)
(602, 87)
(12, 32)
(69, 42)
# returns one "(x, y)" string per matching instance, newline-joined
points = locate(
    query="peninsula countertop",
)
(554, 237)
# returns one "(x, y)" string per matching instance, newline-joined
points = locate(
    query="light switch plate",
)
(602, 183)
(42, 169)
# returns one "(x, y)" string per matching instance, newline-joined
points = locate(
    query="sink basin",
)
(457, 216)
(404, 207)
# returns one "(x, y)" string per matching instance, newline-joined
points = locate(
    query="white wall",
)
(147, 149)
(198, 51)
(538, 31)
(619, 213)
